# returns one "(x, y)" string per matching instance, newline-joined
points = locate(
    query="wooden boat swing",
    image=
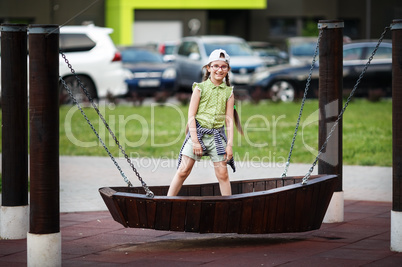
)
(257, 206)
(260, 206)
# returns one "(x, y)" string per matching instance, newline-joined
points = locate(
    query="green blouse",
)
(212, 107)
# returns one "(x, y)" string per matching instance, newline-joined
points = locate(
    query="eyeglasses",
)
(217, 67)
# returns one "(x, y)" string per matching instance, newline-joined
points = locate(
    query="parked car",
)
(301, 49)
(269, 53)
(95, 60)
(150, 74)
(286, 82)
(192, 54)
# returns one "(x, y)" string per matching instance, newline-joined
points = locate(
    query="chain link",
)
(302, 104)
(324, 145)
(148, 192)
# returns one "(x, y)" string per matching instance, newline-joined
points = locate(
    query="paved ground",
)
(91, 237)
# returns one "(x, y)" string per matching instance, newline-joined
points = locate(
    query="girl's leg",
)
(221, 172)
(181, 175)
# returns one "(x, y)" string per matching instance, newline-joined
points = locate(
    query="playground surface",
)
(91, 237)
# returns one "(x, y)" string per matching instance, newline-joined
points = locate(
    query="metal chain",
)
(324, 145)
(149, 193)
(302, 104)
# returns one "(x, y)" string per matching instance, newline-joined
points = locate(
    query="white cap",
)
(216, 55)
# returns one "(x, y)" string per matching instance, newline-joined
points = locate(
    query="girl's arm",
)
(192, 111)
(229, 127)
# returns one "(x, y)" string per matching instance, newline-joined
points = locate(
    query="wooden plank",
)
(289, 219)
(177, 220)
(132, 213)
(247, 210)
(217, 190)
(247, 187)
(271, 184)
(142, 213)
(235, 188)
(163, 213)
(257, 225)
(259, 186)
(315, 199)
(193, 213)
(289, 182)
(271, 207)
(183, 191)
(221, 217)
(234, 216)
(207, 190)
(194, 191)
(281, 212)
(299, 215)
(151, 213)
(107, 196)
(207, 217)
(306, 196)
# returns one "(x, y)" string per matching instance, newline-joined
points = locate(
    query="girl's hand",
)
(197, 149)
(229, 153)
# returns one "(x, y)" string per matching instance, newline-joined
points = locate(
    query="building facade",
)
(138, 22)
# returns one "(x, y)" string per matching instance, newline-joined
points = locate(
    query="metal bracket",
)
(331, 25)
(396, 25)
(41, 29)
(13, 28)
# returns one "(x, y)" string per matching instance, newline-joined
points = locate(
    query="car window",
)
(383, 53)
(303, 49)
(140, 56)
(186, 48)
(353, 53)
(72, 42)
(233, 49)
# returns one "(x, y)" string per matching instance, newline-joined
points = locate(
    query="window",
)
(353, 53)
(75, 42)
(187, 48)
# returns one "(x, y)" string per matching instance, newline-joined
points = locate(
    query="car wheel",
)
(73, 84)
(282, 91)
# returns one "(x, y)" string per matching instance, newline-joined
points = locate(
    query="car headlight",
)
(169, 73)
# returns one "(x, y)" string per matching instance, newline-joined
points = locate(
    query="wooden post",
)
(330, 105)
(14, 97)
(396, 213)
(44, 238)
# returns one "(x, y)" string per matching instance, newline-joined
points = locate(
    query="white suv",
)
(95, 59)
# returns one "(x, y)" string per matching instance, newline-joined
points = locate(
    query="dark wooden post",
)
(44, 239)
(330, 105)
(14, 98)
(396, 213)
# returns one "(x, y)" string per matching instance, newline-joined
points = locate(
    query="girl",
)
(211, 106)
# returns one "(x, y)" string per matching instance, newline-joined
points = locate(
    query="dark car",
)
(269, 53)
(150, 74)
(287, 82)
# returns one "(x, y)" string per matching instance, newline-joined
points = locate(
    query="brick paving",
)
(93, 238)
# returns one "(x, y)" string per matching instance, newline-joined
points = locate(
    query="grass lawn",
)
(158, 131)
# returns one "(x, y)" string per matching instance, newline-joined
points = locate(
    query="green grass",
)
(158, 131)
